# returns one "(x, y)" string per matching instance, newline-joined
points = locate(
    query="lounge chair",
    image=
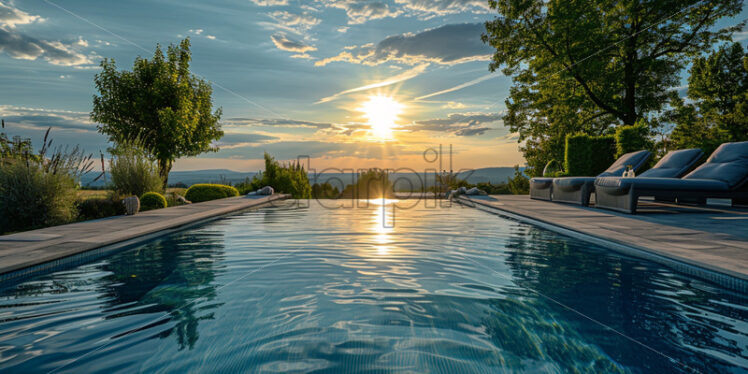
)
(724, 175)
(577, 190)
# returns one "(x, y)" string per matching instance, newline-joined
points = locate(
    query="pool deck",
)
(32, 248)
(712, 238)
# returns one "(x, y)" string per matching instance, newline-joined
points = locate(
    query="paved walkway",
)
(713, 238)
(30, 248)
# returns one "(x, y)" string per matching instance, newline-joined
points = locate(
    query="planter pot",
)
(132, 205)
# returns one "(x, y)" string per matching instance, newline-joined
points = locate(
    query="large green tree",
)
(717, 111)
(159, 103)
(587, 65)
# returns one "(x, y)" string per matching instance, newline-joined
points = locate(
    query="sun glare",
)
(381, 112)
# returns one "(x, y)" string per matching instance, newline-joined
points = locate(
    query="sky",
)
(293, 78)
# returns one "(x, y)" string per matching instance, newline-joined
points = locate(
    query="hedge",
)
(588, 155)
(632, 138)
(96, 208)
(206, 192)
(152, 200)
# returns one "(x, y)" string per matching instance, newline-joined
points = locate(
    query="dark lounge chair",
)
(577, 190)
(723, 175)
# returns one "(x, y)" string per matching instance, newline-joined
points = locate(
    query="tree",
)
(584, 66)
(718, 111)
(519, 184)
(160, 102)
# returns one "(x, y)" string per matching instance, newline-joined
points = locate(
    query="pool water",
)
(317, 290)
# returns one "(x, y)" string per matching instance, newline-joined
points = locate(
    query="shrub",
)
(371, 184)
(588, 155)
(632, 138)
(519, 184)
(100, 208)
(325, 191)
(206, 192)
(36, 189)
(31, 198)
(133, 171)
(152, 200)
(286, 178)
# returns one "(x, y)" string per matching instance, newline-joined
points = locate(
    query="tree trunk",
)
(164, 167)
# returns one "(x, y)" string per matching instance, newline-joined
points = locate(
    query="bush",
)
(206, 192)
(325, 191)
(632, 138)
(152, 200)
(36, 189)
(371, 184)
(588, 155)
(286, 178)
(32, 198)
(133, 171)
(100, 208)
(519, 184)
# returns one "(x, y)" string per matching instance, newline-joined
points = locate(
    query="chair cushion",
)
(635, 159)
(541, 183)
(729, 164)
(617, 184)
(571, 184)
(674, 164)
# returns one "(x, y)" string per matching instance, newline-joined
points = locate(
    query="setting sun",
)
(381, 112)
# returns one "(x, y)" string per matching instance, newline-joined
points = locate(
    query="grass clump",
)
(38, 189)
(133, 171)
(152, 200)
(205, 192)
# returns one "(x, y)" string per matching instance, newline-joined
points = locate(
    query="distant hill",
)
(404, 180)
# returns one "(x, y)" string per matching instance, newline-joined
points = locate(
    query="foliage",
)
(325, 191)
(32, 198)
(284, 178)
(632, 138)
(588, 155)
(159, 101)
(133, 171)
(718, 89)
(370, 184)
(205, 192)
(96, 208)
(38, 189)
(582, 66)
(452, 182)
(152, 200)
(519, 184)
(552, 169)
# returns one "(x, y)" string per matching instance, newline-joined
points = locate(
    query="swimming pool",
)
(440, 290)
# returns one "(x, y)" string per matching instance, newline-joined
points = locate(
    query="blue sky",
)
(289, 75)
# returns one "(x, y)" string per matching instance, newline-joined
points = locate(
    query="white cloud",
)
(343, 29)
(302, 21)
(740, 36)
(431, 8)
(453, 105)
(361, 11)
(447, 45)
(10, 17)
(24, 47)
(283, 42)
(460, 124)
(211, 37)
(409, 74)
(270, 2)
(460, 86)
